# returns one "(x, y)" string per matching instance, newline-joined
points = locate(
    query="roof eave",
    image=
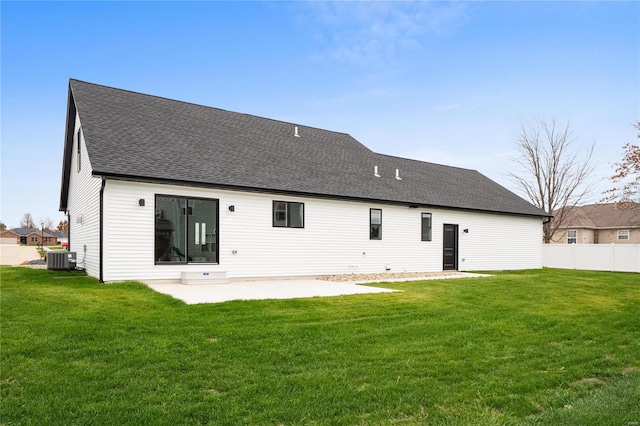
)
(68, 148)
(411, 204)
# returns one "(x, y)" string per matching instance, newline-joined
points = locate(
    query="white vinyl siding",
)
(250, 246)
(495, 241)
(84, 210)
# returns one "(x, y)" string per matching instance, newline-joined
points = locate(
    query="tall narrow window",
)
(185, 230)
(79, 143)
(375, 224)
(572, 237)
(287, 214)
(426, 226)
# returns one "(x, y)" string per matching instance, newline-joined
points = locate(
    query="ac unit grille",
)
(58, 261)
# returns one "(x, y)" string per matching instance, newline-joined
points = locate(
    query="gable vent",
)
(398, 174)
(295, 132)
(375, 171)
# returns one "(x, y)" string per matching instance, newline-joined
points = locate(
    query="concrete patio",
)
(280, 289)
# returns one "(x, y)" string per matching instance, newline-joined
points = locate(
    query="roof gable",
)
(135, 136)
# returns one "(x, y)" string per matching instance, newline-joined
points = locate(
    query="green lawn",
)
(529, 347)
(55, 248)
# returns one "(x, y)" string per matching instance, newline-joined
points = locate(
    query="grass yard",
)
(55, 248)
(529, 347)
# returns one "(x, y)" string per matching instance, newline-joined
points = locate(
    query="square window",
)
(288, 214)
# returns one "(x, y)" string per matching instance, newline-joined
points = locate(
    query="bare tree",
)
(627, 177)
(27, 221)
(47, 223)
(554, 175)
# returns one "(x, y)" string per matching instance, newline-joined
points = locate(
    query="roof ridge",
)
(427, 162)
(209, 107)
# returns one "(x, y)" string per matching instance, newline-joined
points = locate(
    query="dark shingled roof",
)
(135, 136)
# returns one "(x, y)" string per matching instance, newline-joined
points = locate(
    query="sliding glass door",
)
(186, 230)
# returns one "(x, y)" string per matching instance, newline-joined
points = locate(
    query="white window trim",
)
(569, 238)
(623, 234)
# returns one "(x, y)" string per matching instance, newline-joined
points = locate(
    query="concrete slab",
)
(11, 254)
(276, 289)
(260, 290)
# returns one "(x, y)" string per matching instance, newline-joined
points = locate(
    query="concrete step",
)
(204, 277)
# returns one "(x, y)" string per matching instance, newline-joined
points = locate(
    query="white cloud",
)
(373, 34)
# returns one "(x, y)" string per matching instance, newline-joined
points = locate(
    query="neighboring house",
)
(34, 236)
(600, 224)
(9, 237)
(61, 237)
(155, 187)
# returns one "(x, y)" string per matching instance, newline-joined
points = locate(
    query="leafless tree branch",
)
(553, 173)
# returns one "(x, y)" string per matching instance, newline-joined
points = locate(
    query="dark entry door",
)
(450, 248)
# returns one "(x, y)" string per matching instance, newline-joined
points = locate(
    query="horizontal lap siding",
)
(84, 211)
(334, 240)
(129, 232)
(498, 242)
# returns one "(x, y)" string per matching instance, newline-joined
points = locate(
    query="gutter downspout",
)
(101, 231)
(68, 230)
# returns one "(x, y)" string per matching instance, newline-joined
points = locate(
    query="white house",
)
(155, 187)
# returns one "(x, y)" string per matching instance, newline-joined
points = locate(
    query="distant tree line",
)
(45, 224)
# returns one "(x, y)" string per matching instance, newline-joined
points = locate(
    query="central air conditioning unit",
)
(61, 261)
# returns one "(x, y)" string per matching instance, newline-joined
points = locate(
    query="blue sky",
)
(446, 82)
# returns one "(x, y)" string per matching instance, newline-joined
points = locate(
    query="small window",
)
(623, 234)
(79, 143)
(287, 214)
(572, 237)
(426, 226)
(375, 224)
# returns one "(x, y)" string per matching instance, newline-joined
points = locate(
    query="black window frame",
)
(428, 235)
(288, 222)
(79, 149)
(187, 214)
(377, 235)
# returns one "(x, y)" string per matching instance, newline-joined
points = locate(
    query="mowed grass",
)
(528, 347)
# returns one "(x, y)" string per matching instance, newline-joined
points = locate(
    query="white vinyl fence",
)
(594, 257)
